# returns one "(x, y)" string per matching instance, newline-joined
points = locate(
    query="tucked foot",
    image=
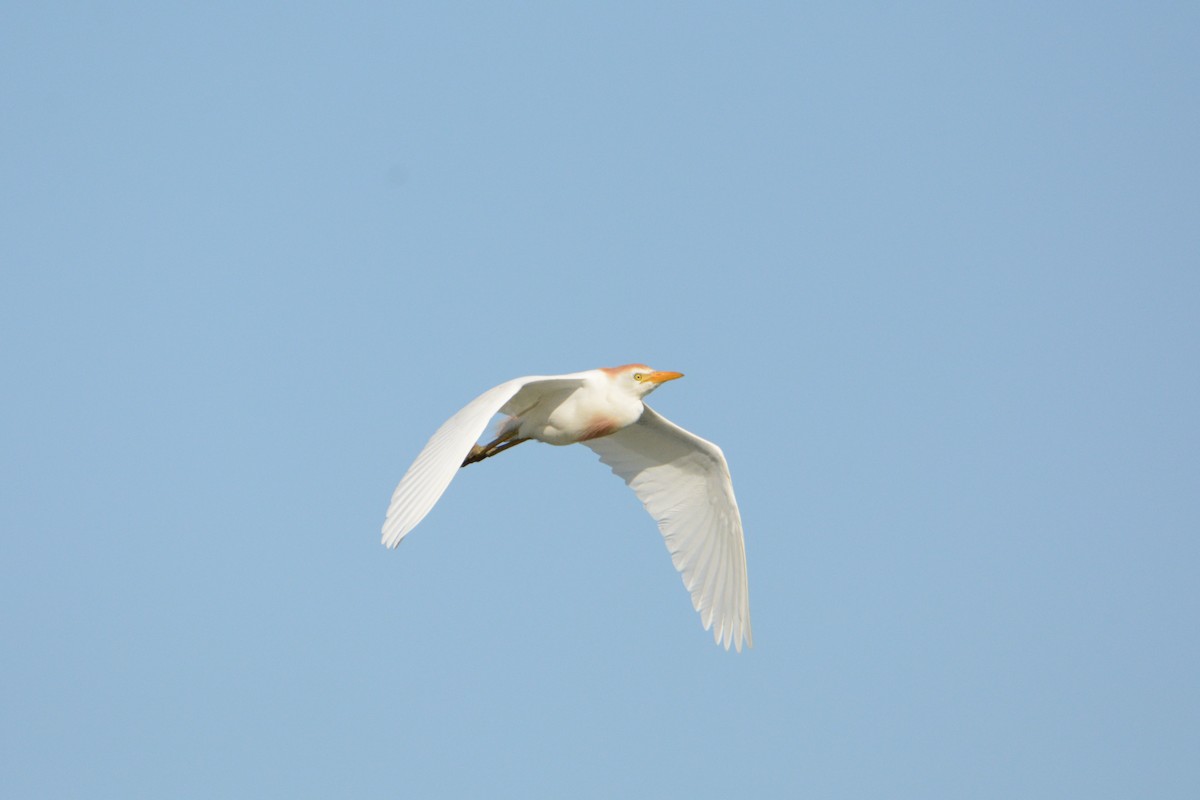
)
(480, 452)
(476, 454)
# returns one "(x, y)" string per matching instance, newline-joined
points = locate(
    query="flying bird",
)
(681, 479)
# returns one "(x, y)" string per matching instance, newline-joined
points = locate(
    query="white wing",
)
(437, 464)
(684, 483)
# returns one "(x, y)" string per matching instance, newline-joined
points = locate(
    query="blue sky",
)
(932, 274)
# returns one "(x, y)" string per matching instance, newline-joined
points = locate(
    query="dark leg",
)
(502, 443)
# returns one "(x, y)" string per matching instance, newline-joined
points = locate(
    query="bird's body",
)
(570, 415)
(682, 479)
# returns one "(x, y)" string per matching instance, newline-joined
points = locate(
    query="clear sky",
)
(933, 275)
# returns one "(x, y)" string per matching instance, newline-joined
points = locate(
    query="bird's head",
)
(639, 379)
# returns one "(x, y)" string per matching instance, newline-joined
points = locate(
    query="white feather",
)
(439, 461)
(684, 483)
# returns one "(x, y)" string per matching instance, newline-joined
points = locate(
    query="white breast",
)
(585, 413)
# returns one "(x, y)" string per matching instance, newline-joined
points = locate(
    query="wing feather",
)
(436, 465)
(683, 481)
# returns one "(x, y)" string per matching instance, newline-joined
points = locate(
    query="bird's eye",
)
(637, 376)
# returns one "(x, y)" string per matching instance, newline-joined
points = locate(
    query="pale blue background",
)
(933, 276)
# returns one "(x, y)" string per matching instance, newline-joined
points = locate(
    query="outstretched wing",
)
(684, 483)
(437, 464)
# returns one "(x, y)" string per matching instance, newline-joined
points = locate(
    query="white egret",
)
(682, 480)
